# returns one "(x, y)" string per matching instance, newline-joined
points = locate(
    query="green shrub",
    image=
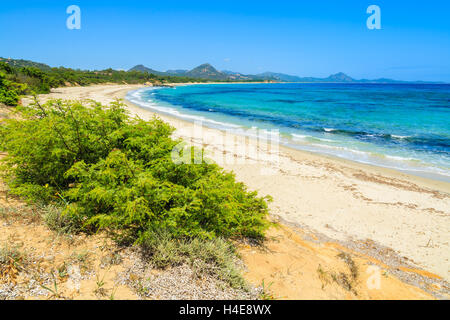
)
(10, 91)
(115, 173)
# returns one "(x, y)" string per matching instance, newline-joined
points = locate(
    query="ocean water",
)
(400, 126)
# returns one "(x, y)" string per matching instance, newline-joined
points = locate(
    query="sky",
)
(305, 38)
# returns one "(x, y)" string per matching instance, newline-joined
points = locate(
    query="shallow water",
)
(400, 126)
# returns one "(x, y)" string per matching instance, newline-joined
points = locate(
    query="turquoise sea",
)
(400, 126)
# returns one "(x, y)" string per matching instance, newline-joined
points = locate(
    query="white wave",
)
(323, 139)
(397, 158)
(399, 137)
(301, 137)
(405, 164)
(298, 136)
(136, 97)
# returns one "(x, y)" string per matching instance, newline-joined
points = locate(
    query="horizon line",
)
(244, 74)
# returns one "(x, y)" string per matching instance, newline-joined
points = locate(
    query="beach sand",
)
(400, 219)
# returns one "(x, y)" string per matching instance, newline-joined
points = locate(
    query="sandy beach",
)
(395, 217)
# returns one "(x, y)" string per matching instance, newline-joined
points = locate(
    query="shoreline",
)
(426, 171)
(423, 178)
(341, 199)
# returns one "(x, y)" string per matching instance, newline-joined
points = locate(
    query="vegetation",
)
(347, 280)
(93, 168)
(20, 63)
(266, 293)
(12, 261)
(30, 214)
(9, 91)
(59, 223)
(115, 173)
(206, 256)
(21, 77)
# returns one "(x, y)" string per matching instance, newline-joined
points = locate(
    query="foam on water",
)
(136, 97)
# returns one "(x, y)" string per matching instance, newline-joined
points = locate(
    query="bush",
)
(10, 91)
(115, 173)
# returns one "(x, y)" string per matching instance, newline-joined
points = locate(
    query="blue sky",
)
(306, 38)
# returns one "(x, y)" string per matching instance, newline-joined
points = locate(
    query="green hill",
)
(207, 71)
(19, 63)
(203, 72)
(142, 68)
(23, 77)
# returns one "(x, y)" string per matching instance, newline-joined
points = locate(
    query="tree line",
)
(16, 81)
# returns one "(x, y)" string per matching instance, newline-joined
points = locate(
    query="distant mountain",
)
(19, 63)
(237, 76)
(278, 77)
(207, 71)
(143, 68)
(180, 72)
(386, 80)
(340, 77)
(204, 71)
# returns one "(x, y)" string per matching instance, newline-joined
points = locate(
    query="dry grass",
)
(12, 261)
(204, 269)
(347, 279)
(24, 213)
(215, 257)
